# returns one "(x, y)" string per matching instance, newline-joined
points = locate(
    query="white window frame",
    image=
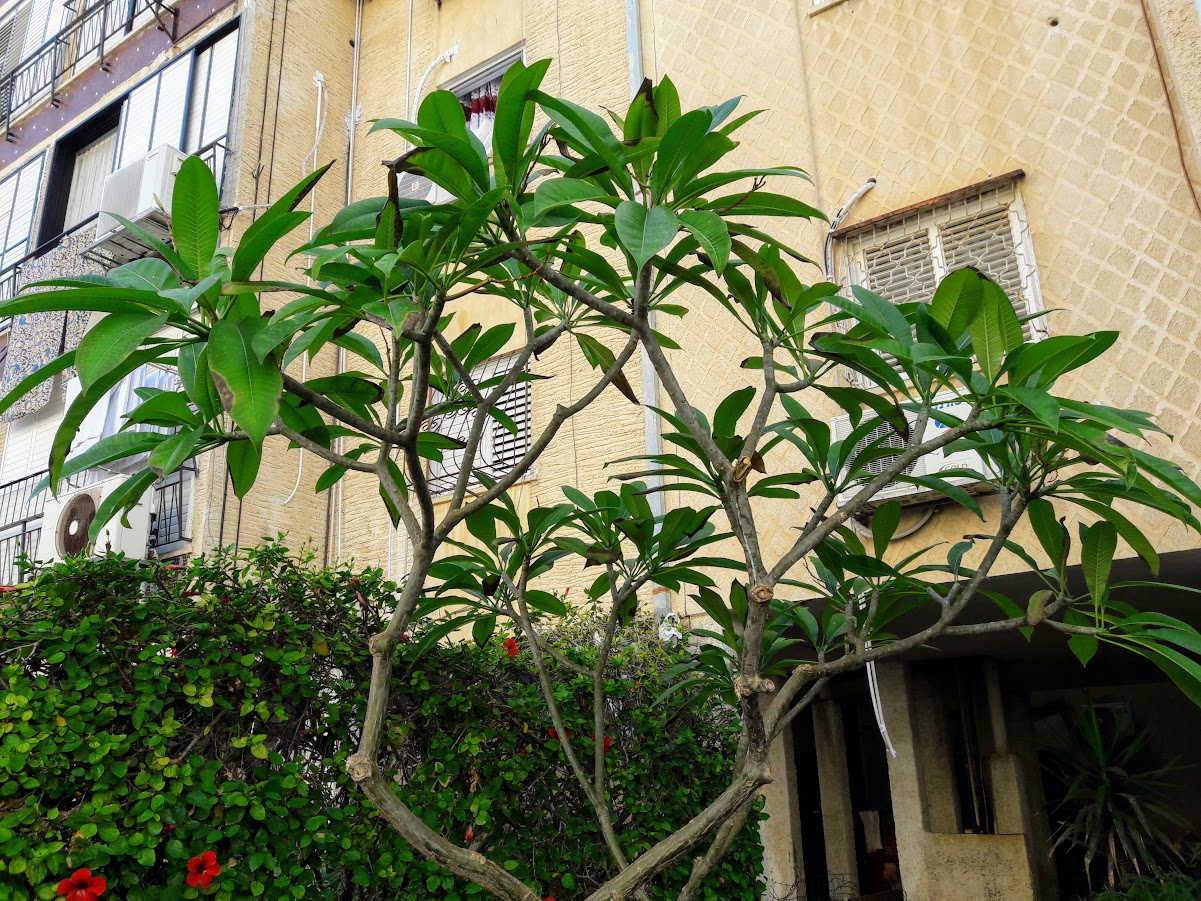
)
(457, 425)
(936, 216)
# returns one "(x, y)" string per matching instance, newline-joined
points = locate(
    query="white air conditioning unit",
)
(930, 464)
(68, 518)
(418, 187)
(140, 192)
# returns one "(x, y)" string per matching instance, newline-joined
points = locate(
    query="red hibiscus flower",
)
(511, 647)
(608, 742)
(82, 886)
(203, 869)
(468, 836)
(554, 734)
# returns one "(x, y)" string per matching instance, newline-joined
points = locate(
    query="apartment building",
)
(1055, 144)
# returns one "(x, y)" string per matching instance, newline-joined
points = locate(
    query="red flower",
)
(468, 836)
(203, 869)
(82, 886)
(511, 647)
(555, 735)
(608, 742)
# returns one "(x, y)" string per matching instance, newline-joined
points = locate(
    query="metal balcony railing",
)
(85, 41)
(170, 526)
(21, 515)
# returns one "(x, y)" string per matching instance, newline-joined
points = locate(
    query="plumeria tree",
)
(591, 231)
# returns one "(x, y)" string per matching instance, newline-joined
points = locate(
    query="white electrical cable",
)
(873, 679)
(321, 115)
(873, 687)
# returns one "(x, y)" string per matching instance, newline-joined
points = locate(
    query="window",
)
(500, 449)
(153, 113)
(211, 100)
(477, 93)
(186, 105)
(902, 257)
(18, 201)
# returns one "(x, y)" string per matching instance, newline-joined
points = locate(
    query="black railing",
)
(21, 515)
(84, 41)
(171, 522)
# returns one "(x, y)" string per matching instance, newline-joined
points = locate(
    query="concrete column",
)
(780, 833)
(838, 815)
(904, 779)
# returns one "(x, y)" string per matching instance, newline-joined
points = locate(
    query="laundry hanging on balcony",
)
(36, 339)
(479, 107)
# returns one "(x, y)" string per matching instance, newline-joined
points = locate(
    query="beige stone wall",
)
(929, 96)
(283, 45)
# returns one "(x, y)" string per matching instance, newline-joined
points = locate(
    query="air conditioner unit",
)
(418, 187)
(140, 192)
(930, 464)
(67, 519)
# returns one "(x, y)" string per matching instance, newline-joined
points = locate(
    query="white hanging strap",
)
(873, 686)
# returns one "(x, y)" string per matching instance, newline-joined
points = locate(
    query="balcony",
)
(21, 515)
(85, 41)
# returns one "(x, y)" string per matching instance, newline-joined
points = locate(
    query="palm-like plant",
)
(1111, 809)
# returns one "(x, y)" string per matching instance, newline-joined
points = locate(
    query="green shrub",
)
(1175, 887)
(148, 715)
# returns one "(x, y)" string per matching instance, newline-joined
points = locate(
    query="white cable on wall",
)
(310, 165)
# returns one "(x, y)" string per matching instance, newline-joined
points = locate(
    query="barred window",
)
(902, 257)
(500, 448)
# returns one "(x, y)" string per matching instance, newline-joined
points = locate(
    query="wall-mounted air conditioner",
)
(418, 187)
(931, 464)
(68, 518)
(140, 192)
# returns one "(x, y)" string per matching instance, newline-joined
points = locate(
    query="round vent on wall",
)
(74, 523)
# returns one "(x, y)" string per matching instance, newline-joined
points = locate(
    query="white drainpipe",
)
(653, 443)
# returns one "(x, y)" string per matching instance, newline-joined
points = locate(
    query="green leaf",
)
(711, 231)
(195, 216)
(121, 500)
(482, 630)
(553, 193)
(515, 118)
(730, 410)
(1084, 647)
(1038, 402)
(884, 525)
(243, 459)
(198, 381)
(173, 450)
(995, 331)
(110, 342)
(108, 450)
(956, 301)
(643, 233)
(249, 388)
(1047, 529)
(1098, 543)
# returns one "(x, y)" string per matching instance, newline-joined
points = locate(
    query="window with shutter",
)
(903, 257)
(211, 100)
(18, 202)
(500, 448)
(154, 112)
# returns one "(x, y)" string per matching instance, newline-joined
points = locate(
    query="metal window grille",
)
(903, 257)
(499, 449)
(889, 439)
(171, 522)
(21, 514)
(82, 42)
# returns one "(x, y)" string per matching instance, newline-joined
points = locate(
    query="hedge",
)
(149, 714)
